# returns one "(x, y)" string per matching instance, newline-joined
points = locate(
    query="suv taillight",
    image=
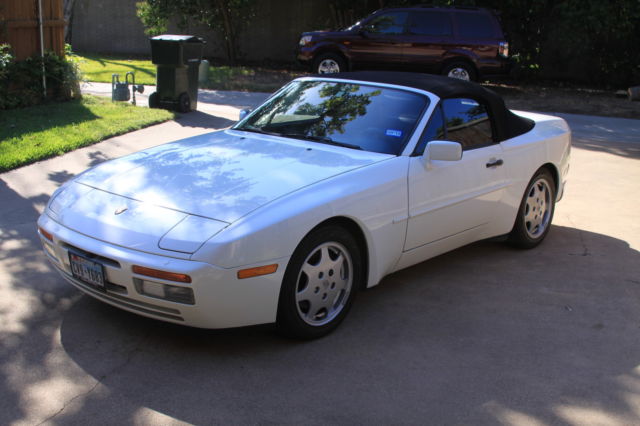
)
(503, 50)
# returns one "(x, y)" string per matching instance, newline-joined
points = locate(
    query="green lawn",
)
(31, 134)
(248, 79)
(100, 68)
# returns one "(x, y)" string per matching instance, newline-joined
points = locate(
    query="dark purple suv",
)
(461, 42)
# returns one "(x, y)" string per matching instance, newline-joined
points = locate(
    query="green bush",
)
(21, 81)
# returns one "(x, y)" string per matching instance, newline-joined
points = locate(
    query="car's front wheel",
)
(460, 70)
(320, 283)
(536, 211)
(329, 63)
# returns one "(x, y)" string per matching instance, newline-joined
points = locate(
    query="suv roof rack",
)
(429, 5)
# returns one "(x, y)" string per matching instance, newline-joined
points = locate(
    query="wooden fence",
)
(19, 26)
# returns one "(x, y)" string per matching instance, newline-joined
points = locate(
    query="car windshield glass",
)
(356, 116)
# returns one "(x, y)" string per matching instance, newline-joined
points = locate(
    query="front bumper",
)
(220, 299)
(304, 55)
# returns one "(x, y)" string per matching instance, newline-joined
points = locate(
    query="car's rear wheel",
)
(154, 102)
(460, 70)
(184, 103)
(536, 211)
(329, 63)
(319, 284)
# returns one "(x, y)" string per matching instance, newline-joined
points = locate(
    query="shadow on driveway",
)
(618, 136)
(476, 336)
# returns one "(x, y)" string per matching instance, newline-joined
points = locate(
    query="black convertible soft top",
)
(507, 124)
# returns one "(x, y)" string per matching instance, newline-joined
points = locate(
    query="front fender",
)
(374, 196)
(331, 47)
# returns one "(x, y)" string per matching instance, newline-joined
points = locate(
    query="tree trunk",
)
(228, 31)
(68, 17)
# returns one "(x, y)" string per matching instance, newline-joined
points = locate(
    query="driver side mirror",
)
(365, 30)
(244, 112)
(442, 151)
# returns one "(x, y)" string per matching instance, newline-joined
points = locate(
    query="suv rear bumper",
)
(495, 67)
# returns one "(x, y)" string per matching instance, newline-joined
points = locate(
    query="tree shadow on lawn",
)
(21, 122)
(477, 336)
(122, 63)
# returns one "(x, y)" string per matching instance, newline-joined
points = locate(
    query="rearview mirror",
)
(244, 112)
(443, 151)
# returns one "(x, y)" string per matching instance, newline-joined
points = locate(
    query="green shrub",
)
(21, 81)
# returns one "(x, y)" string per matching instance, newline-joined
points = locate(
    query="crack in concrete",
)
(585, 248)
(102, 378)
(69, 402)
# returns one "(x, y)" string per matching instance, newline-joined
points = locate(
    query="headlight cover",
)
(190, 234)
(304, 40)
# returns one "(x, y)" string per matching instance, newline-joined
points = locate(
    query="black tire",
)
(311, 306)
(536, 211)
(154, 102)
(461, 70)
(329, 63)
(184, 103)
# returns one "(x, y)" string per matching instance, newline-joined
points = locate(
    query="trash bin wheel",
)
(153, 100)
(184, 103)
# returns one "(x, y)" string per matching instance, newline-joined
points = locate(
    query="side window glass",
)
(434, 131)
(474, 25)
(430, 23)
(467, 122)
(388, 23)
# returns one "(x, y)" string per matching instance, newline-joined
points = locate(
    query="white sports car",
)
(328, 186)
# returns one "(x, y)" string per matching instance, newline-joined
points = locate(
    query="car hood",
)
(328, 33)
(176, 196)
(223, 175)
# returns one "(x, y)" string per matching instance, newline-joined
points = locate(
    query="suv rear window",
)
(474, 25)
(430, 23)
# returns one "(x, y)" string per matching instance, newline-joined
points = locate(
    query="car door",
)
(448, 198)
(429, 35)
(380, 41)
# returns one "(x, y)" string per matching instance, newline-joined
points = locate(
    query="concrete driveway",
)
(483, 335)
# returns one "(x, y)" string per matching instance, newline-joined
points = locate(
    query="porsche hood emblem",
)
(121, 210)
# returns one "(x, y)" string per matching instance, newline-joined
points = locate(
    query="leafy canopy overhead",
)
(226, 17)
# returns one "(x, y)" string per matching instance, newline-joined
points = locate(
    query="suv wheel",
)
(460, 70)
(329, 63)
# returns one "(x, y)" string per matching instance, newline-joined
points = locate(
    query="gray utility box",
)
(178, 59)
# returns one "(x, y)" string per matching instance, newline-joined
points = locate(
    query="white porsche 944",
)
(328, 186)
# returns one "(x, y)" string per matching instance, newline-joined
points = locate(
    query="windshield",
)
(356, 116)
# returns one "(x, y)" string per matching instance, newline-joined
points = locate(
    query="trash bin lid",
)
(179, 38)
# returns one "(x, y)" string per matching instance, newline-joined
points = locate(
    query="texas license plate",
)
(87, 270)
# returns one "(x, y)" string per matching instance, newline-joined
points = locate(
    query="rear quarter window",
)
(430, 23)
(474, 25)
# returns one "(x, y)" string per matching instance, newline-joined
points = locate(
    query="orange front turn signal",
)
(45, 234)
(164, 275)
(257, 271)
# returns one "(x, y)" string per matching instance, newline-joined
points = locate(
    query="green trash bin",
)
(177, 58)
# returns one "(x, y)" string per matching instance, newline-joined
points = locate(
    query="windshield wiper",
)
(254, 129)
(323, 139)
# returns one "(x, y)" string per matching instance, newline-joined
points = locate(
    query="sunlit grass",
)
(31, 134)
(100, 68)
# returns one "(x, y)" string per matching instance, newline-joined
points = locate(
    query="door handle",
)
(495, 163)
